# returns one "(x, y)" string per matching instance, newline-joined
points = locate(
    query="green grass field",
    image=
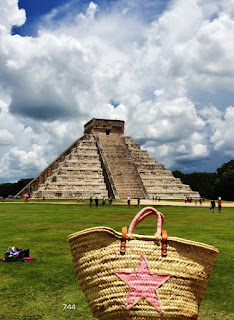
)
(39, 289)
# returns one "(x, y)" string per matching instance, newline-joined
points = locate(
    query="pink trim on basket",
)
(144, 213)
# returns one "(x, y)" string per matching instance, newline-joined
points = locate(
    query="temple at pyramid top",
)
(104, 126)
(105, 162)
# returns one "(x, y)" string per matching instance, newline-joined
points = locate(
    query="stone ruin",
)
(105, 162)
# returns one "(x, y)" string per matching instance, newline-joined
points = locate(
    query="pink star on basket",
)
(142, 283)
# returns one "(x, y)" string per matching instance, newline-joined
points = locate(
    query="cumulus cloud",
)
(10, 15)
(20, 162)
(131, 61)
(6, 138)
(222, 129)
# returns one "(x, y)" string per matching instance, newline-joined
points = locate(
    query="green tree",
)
(203, 182)
(7, 189)
(225, 167)
(224, 185)
(211, 185)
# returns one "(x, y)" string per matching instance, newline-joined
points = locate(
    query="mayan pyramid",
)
(105, 162)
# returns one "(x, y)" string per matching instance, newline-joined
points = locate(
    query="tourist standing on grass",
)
(103, 201)
(82, 199)
(200, 201)
(91, 201)
(219, 205)
(96, 202)
(138, 202)
(129, 201)
(212, 205)
(110, 201)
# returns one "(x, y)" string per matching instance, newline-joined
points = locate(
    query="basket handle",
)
(144, 213)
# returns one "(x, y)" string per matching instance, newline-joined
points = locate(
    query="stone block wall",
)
(79, 174)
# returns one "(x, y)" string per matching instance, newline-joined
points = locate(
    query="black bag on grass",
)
(15, 254)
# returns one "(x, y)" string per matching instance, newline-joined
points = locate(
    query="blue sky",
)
(34, 9)
(165, 67)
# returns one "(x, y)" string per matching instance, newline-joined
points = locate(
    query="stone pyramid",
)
(105, 162)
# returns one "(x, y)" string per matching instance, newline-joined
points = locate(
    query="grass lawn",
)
(39, 289)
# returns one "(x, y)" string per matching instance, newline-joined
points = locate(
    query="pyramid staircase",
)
(126, 180)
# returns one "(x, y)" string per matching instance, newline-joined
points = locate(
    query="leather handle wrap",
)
(164, 243)
(123, 240)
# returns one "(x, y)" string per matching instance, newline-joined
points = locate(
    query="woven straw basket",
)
(130, 276)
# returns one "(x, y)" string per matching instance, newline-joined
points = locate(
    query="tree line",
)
(209, 185)
(11, 189)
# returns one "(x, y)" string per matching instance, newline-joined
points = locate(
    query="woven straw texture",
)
(96, 257)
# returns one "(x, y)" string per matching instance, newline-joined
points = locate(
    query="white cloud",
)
(223, 132)
(21, 163)
(11, 15)
(165, 120)
(90, 13)
(159, 92)
(6, 138)
(53, 83)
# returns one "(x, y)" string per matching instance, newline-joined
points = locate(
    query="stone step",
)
(63, 186)
(138, 157)
(69, 188)
(127, 180)
(81, 165)
(175, 195)
(76, 184)
(139, 152)
(81, 177)
(149, 162)
(84, 152)
(78, 179)
(133, 146)
(84, 157)
(85, 146)
(179, 188)
(150, 167)
(86, 143)
(161, 175)
(164, 179)
(151, 183)
(77, 170)
(121, 154)
(67, 194)
(155, 173)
